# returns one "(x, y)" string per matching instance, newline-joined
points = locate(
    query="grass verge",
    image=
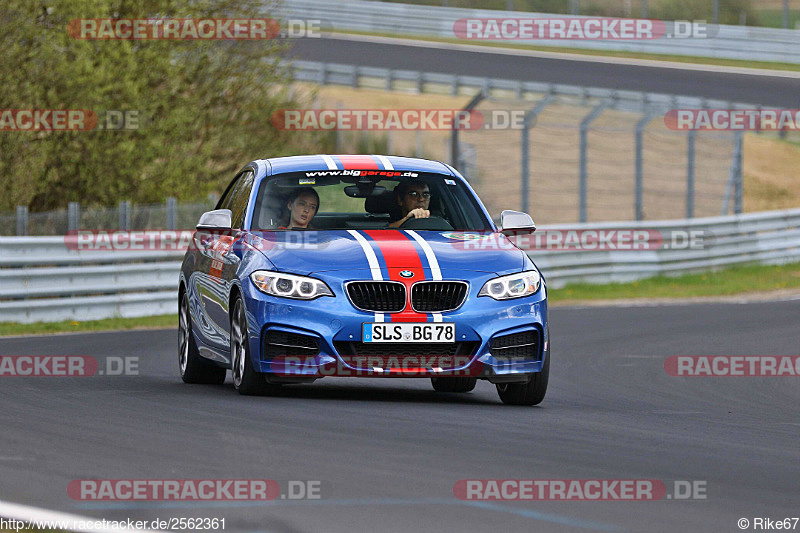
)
(108, 324)
(738, 280)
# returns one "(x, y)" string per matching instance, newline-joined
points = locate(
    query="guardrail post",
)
(454, 86)
(389, 78)
(172, 212)
(584, 132)
(420, 83)
(690, 138)
(639, 187)
(73, 216)
(530, 119)
(643, 14)
(22, 221)
(125, 215)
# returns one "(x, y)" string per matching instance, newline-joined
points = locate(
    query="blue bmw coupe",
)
(361, 265)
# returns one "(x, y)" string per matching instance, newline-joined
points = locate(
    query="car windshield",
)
(351, 199)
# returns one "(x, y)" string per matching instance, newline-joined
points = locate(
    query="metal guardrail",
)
(41, 279)
(731, 42)
(434, 82)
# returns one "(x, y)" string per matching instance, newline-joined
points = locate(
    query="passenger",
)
(302, 204)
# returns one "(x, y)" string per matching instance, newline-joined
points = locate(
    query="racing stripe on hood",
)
(357, 162)
(387, 165)
(372, 260)
(433, 263)
(329, 161)
(400, 253)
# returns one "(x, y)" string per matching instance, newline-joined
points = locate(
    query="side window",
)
(225, 201)
(239, 199)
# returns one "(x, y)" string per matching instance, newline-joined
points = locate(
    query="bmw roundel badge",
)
(407, 274)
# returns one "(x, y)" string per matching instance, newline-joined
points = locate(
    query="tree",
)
(203, 105)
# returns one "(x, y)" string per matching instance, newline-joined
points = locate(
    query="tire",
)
(460, 384)
(530, 393)
(192, 366)
(245, 379)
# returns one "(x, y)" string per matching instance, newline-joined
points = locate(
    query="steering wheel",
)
(431, 223)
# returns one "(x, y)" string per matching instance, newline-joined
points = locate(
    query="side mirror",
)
(514, 222)
(217, 219)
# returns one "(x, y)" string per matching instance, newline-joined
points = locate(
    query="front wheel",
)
(245, 379)
(530, 393)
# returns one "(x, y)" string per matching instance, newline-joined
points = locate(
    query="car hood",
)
(307, 252)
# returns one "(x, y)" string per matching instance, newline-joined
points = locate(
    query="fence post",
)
(639, 187)
(22, 220)
(735, 183)
(587, 120)
(454, 132)
(690, 139)
(530, 118)
(739, 189)
(172, 214)
(125, 215)
(73, 216)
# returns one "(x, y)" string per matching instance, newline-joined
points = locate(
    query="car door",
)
(219, 263)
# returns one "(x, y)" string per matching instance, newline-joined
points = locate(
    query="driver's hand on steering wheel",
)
(417, 213)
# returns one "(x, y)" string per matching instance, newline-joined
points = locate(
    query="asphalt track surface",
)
(775, 91)
(388, 453)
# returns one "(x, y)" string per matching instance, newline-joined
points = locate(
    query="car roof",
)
(281, 165)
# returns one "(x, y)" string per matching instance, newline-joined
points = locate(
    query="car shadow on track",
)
(367, 393)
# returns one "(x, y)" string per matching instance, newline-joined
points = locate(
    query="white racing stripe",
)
(372, 259)
(387, 165)
(330, 162)
(436, 272)
(69, 522)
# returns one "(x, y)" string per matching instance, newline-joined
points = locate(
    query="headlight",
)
(289, 285)
(512, 286)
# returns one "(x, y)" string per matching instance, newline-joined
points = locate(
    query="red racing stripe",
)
(400, 253)
(358, 162)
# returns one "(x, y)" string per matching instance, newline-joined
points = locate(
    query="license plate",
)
(409, 332)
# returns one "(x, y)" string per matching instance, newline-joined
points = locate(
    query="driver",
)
(413, 197)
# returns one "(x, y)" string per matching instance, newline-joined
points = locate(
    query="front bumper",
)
(324, 339)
